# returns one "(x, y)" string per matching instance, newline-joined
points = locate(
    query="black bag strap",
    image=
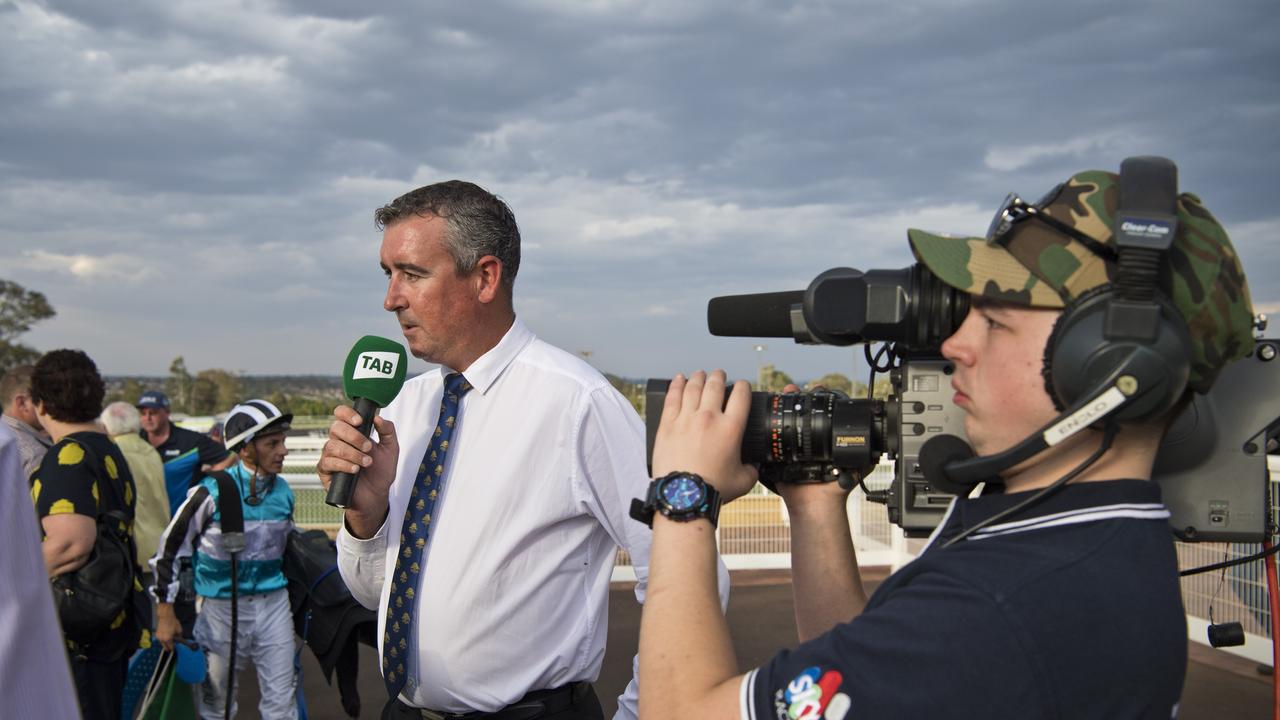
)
(231, 511)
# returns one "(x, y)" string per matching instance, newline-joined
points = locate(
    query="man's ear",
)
(488, 278)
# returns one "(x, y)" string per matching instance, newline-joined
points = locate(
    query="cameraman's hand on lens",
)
(800, 496)
(696, 436)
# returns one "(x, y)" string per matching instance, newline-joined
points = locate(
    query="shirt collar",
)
(487, 368)
(18, 425)
(1068, 502)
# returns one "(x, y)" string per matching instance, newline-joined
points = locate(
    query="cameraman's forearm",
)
(824, 568)
(686, 657)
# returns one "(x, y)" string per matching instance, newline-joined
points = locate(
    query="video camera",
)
(1212, 464)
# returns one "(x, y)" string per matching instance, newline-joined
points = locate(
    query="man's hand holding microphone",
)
(355, 470)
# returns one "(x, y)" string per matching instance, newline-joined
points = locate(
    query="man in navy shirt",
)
(1067, 606)
(185, 453)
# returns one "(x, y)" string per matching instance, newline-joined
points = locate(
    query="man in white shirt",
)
(529, 472)
(19, 413)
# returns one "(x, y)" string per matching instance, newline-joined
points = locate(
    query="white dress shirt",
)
(35, 680)
(539, 477)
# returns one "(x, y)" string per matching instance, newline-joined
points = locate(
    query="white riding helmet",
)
(250, 419)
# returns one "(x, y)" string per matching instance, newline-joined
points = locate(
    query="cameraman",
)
(1069, 607)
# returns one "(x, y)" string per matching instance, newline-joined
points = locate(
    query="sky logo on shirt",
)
(814, 695)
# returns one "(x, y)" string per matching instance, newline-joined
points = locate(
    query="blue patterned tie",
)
(396, 645)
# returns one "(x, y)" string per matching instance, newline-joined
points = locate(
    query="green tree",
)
(129, 392)
(632, 391)
(179, 386)
(20, 308)
(214, 391)
(832, 381)
(302, 405)
(773, 379)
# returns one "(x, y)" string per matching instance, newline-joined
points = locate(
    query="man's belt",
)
(534, 705)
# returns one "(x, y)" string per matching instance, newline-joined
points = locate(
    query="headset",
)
(1118, 354)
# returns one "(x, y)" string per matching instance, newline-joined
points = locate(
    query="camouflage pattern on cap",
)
(1039, 266)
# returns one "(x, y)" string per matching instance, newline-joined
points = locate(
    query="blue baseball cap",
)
(153, 399)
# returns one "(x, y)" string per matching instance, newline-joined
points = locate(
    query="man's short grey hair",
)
(15, 381)
(121, 418)
(477, 223)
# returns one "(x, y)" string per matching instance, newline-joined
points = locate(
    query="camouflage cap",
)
(1040, 266)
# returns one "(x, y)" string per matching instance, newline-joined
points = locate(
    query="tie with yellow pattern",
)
(396, 642)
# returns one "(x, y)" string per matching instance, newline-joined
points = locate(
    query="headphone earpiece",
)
(1081, 355)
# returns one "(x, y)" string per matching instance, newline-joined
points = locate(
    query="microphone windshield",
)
(758, 315)
(374, 370)
(938, 452)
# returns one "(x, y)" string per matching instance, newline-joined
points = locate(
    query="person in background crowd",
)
(20, 416)
(184, 452)
(81, 477)
(151, 509)
(255, 433)
(186, 455)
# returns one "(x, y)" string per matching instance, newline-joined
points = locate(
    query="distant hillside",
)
(250, 385)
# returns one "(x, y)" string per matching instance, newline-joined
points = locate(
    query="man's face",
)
(153, 419)
(23, 409)
(998, 352)
(437, 308)
(268, 453)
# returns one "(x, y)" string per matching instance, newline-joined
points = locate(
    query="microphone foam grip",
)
(938, 452)
(758, 315)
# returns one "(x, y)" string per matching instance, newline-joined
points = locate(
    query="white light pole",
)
(760, 366)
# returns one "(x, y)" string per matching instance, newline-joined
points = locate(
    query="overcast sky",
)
(198, 179)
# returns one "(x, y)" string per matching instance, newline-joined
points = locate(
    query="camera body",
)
(1212, 463)
(924, 409)
(823, 436)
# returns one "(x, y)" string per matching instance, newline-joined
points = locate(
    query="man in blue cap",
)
(184, 452)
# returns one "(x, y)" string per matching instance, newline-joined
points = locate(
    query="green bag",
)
(167, 697)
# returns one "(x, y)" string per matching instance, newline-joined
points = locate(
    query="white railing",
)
(754, 533)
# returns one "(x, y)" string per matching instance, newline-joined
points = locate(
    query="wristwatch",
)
(681, 496)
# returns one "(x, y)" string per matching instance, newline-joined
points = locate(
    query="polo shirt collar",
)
(1075, 503)
(487, 368)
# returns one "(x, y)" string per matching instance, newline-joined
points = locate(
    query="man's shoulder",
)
(551, 362)
(137, 450)
(183, 437)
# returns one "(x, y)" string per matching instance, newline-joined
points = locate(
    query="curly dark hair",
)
(477, 223)
(68, 384)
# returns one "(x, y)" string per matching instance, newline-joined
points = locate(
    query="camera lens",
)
(818, 427)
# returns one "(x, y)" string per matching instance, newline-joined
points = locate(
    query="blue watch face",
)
(682, 493)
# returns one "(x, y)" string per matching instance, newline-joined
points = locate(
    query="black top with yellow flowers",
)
(66, 482)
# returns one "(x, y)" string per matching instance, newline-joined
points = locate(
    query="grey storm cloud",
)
(188, 179)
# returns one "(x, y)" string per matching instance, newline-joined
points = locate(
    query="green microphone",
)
(372, 378)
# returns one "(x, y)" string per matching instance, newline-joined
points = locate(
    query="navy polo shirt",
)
(1069, 609)
(183, 454)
